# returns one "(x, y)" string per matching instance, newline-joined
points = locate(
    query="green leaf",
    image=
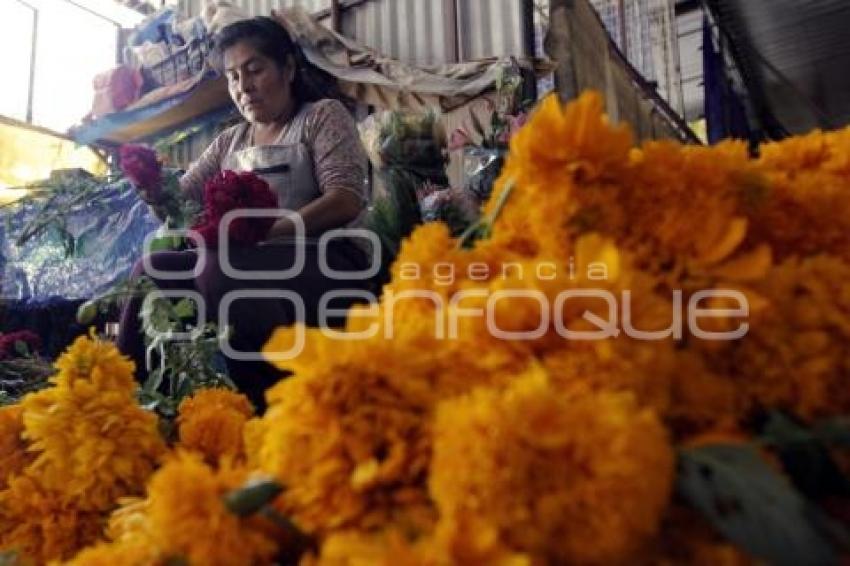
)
(835, 431)
(162, 244)
(87, 312)
(22, 349)
(805, 455)
(9, 558)
(252, 497)
(482, 229)
(153, 381)
(185, 308)
(752, 505)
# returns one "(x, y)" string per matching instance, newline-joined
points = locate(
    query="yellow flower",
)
(137, 552)
(92, 441)
(130, 520)
(385, 548)
(367, 464)
(211, 422)
(40, 526)
(97, 362)
(794, 356)
(130, 539)
(575, 141)
(188, 518)
(546, 471)
(12, 446)
(559, 150)
(802, 204)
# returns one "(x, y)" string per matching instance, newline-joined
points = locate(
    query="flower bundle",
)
(141, 165)
(19, 344)
(477, 448)
(158, 187)
(229, 191)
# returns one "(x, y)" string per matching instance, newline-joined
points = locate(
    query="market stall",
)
(601, 349)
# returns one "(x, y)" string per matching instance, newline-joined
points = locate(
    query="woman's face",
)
(260, 88)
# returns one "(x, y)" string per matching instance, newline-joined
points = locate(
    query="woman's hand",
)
(334, 209)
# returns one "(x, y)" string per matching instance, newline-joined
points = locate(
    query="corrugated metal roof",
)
(414, 31)
(190, 8)
(491, 28)
(796, 54)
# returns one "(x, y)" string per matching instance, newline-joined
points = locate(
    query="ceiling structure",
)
(795, 57)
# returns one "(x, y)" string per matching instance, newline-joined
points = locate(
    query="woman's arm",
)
(339, 166)
(205, 167)
(335, 208)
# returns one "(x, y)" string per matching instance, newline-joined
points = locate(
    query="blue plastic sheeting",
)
(106, 237)
(106, 127)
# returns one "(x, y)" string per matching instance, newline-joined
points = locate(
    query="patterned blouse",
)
(339, 159)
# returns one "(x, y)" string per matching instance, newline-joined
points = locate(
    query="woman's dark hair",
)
(273, 41)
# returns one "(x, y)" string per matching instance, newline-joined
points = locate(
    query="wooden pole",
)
(450, 25)
(336, 16)
(559, 47)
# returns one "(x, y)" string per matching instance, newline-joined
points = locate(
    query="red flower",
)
(233, 191)
(7, 343)
(141, 166)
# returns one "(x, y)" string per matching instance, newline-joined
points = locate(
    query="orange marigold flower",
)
(12, 446)
(40, 526)
(93, 443)
(794, 356)
(356, 548)
(211, 422)
(544, 472)
(802, 205)
(189, 520)
(135, 552)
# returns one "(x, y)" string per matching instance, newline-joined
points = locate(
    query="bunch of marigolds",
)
(427, 438)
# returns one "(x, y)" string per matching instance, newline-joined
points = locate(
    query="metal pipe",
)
(33, 48)
(336, 16)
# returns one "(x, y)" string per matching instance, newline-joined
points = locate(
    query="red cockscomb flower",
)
(228, 191)
(8, 341)
(141, 166)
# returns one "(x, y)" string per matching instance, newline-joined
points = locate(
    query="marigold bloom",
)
(93, 443)
(189, 520)
(12, 446)
(795, 356)
(211, 422)
(374, 437)
(135, 552)
(40, 526)
(801, 205)
(547, 472)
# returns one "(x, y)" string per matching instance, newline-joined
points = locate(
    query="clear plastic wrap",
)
(481, 168)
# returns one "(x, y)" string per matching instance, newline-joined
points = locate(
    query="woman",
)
(308, 150)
